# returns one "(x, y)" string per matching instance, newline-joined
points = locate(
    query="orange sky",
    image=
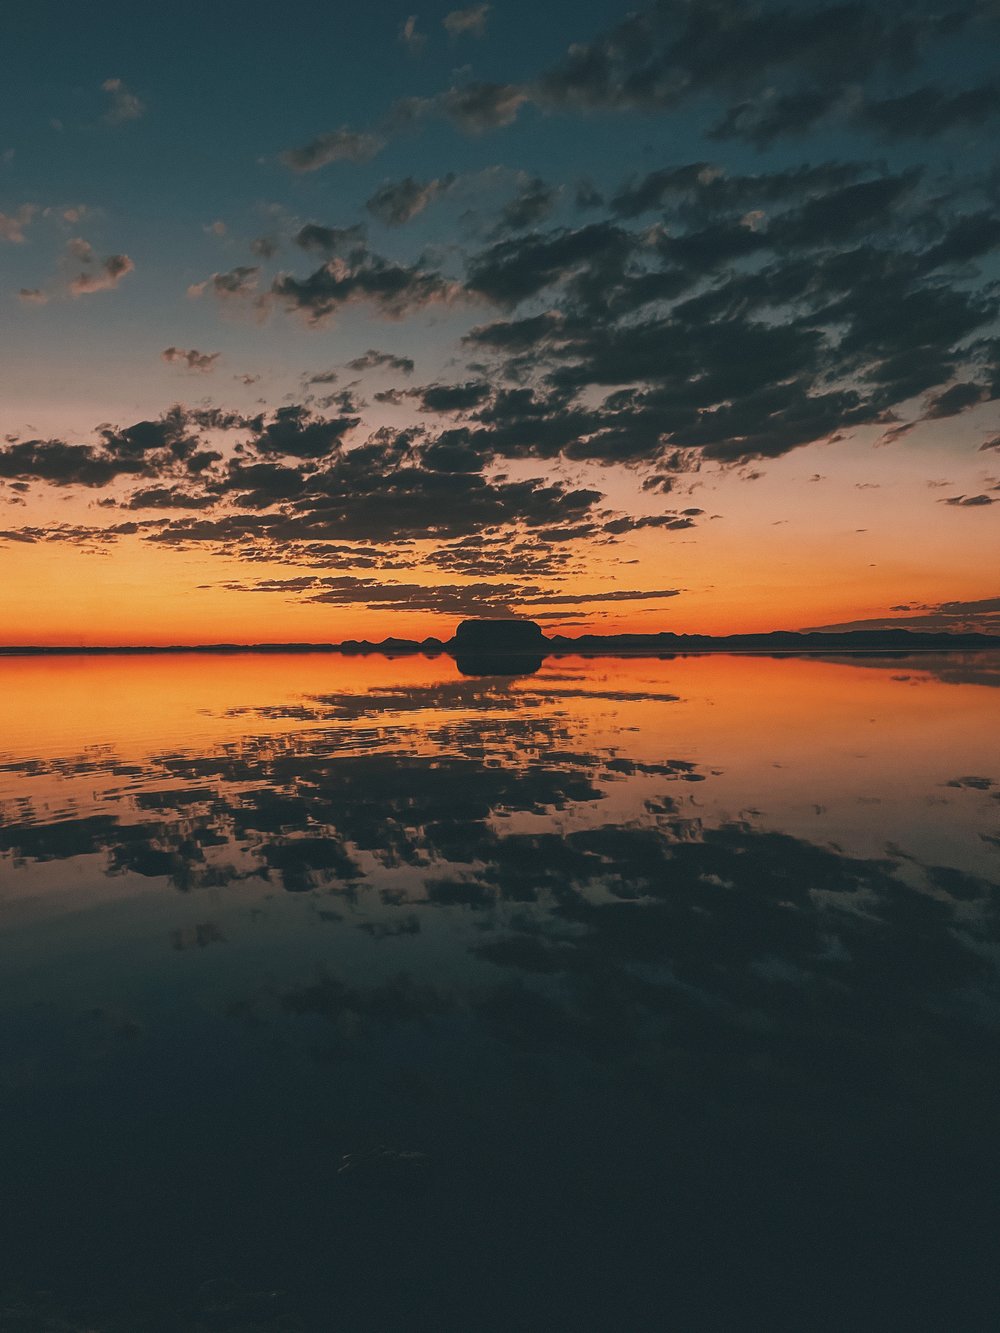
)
(779, 552)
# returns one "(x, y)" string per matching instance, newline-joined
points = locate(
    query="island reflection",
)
(580, 988)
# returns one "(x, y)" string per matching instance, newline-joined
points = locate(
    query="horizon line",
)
(434, 646)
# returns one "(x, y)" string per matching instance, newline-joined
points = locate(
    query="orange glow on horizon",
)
(779, 553)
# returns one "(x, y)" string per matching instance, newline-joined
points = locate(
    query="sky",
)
(356, 321)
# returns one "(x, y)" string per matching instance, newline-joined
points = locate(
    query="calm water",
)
(354, 994)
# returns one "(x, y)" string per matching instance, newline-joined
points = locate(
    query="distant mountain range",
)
(513, 638)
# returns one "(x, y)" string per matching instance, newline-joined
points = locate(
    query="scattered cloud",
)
(237, 282)
(410, 38)
(970, 501)
(467, 22)
(396, 202)
(375, 360)
(192, 359)
(343, 145)
(12, 225)
(105, 276)
(364, 277)
(124, 105)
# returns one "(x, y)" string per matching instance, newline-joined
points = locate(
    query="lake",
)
(353, 993)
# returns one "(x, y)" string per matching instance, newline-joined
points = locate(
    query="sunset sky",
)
(352, 321)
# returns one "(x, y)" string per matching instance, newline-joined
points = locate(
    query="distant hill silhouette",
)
(506, 640)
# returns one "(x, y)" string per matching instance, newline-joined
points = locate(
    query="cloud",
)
(467, 22)
(237, 282)
(656, 59)
(512, 270)
(294, 431)
(375, 360)
(169, 497)
(970, 501)
(192, 359)
(392, 288)
(106, 277)
(343, 145)
(929, 111)
(791, 68)
(12, 225)
(396, 202)
(62, 464)
(409, 37)
(474, 108)
(330, 240)
(980, 616)
(533, 203)
(124, 105)
(775, 116)
(459, 599)
(452, 397)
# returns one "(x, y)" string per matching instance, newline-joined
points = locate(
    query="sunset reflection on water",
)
(627, 971)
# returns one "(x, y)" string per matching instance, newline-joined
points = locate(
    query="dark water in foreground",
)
(352, 994)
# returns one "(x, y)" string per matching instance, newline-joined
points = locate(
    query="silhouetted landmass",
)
(498, 636)
(790, 641)
(498, 647)
(499, 639)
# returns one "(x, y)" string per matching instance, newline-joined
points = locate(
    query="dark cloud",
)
(63, 464)
(329, 240)
(296, 432)
(950, 402)
(533, 203)
(761, 121)
(929, 111)
(202, 362)
(975, 616)
(656, 59)
(512, 270)
(237, 282)
(452, 397)
(376, 360)
(587, 195)
(459, 599)
(363, 277)
(516, 335)
(396, 202)
(824, 310)
(168, 497)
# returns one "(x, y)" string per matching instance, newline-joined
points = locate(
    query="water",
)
(353, 993)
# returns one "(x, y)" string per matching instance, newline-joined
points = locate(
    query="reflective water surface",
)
(356, 993)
